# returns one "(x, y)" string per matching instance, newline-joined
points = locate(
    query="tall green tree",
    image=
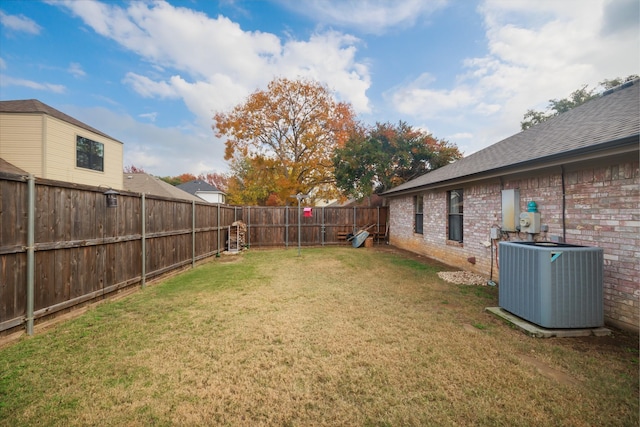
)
(379, 158)
(577, 97)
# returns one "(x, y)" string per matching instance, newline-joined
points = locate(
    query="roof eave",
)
(621, 146)
(65, 118)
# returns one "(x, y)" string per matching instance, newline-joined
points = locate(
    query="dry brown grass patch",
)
(335, 337)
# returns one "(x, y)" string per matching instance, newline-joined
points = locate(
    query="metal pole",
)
(378, 226)
(299, 197)
(193, 233)
(299, 239)
(219, 231)
(322, 227)
(31, 181)
(144, 240)
(286, 227)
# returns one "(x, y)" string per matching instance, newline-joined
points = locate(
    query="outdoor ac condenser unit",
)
(553, 285)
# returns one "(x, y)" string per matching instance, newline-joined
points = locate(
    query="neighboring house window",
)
(89, 154)
(417, 208)
(455, 215)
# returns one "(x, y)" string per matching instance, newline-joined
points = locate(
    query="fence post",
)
(355, 220)
(322, 227)
(193, 233)
(31, 188)
(248, 226)
(378, 226)
(143, 215)
(299, 229)
(218, 251)
(286, 226)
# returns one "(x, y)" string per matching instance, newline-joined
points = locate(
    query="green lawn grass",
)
(337, 336)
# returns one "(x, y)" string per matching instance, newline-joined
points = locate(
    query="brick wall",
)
(602, 209)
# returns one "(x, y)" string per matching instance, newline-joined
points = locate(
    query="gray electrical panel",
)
(554, 285)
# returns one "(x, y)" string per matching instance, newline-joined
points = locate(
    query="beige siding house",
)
(52, 145)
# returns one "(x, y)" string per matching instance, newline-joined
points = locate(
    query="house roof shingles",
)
(10, 168)
(26, 106)
(197, 185)
(612, 117)
(149, 184)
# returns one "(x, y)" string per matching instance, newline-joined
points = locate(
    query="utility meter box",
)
(510, 209)
(530, 222)
(494, 234)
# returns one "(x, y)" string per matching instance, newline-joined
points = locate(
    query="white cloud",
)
(458, 136)
(205, 98)
(485, 109)
(7, 81)
(149, 116)
(329, 57)
(3, 64)
(19, 23)
(536, 51)
(621, 16)
(418, 100)
(368, 16)
(76, 70)
(144, 157)
(148, 88)
(213, 64)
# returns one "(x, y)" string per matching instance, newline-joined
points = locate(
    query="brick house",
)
(581, 168)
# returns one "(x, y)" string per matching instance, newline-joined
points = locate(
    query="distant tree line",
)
(577, 97)
(295, 138)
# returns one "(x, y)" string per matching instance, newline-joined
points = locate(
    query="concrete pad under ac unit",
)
(536, 331)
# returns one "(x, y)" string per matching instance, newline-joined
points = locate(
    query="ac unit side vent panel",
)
(553, 285)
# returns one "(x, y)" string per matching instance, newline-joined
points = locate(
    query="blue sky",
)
(153, 73)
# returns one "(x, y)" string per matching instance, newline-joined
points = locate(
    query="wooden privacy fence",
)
(278, 226)
(61, 246)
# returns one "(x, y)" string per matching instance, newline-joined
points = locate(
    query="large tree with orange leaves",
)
(281, 140)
